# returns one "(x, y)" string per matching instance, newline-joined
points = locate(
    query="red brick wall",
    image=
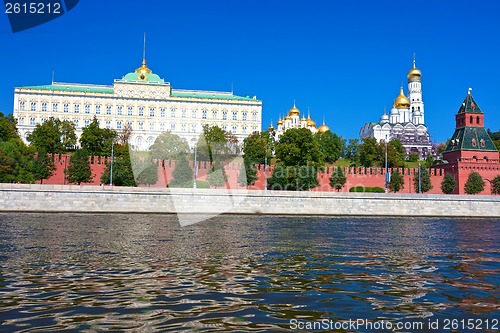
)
(368, 177)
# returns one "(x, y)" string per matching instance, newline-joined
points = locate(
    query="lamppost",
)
(111, 169)
(195, 167)
(387, 179)
(419, 177)
(265, 158)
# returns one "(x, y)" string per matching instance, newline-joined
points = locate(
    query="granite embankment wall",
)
(103, 199)
(367, 177)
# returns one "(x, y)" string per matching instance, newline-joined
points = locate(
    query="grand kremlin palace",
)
(142, 100)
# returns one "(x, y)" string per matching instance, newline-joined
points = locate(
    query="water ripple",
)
(144, 273)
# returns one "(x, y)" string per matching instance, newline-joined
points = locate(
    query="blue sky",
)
(345, 60)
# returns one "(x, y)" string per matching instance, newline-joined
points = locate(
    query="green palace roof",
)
(208, 94)
(200, 94)
(73, 88)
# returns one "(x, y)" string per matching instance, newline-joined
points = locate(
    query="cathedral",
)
(405, 121)
(293, 120)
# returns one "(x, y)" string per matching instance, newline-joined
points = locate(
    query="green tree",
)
(16, 162)
(413, 157)
(353, 152)
(182, 174)
(395, 154)
(217, 176)
(8, 128)
(212, 145)
(330, 145)
(397, 182)
(247, 174)
(256, 146)
(474, 184)
(43, 166)
(429, 161)
(53, 136)
(338, 178)
(97, 141)
(448, 183)
(425, 180)
(79, 170)
(149, 174)
(293, 178)
(495, 185)
(297, 147)
(169, 146)
(369, 152)
(123, 174)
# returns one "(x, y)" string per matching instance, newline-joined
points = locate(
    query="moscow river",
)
(145, 273)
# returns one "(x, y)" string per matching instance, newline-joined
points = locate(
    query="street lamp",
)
(111, 169)
(195, 167)
(419, 177)
(387, 179)
(265, 159)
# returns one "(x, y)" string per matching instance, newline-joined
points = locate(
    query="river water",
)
(145, 273)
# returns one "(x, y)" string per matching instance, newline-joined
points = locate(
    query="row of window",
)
(140, 111)
(141, 125)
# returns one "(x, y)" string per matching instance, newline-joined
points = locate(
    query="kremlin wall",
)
(367, 177)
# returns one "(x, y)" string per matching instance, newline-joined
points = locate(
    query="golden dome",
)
(288, 118)
(280, 122)
(401, 102)
(414, 73)
(311, 123)
(323, 129)
(303, 119)
(271, 127)
(294, 111)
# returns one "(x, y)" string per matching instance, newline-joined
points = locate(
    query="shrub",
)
(475, 183)
(367, 189)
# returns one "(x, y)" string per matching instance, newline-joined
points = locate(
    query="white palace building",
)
(405, 120)
(142, 100)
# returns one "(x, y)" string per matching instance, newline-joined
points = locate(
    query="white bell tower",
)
(415, 91)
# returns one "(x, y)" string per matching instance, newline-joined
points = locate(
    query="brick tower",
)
(470, 148)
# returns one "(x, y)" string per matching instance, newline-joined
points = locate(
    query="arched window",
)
(470, 120)
(477, 120)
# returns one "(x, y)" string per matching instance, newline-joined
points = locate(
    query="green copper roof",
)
(469, 105)
(470, 138)
(72, 88)
(150, 78)
(209, 94)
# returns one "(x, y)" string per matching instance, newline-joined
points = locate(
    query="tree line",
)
(297, 157)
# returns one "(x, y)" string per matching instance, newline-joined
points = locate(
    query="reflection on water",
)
(239, 273)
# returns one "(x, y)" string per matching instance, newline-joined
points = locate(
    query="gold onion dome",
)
(288, 118)
(323, 129)
(401, 102)
(294, 111)
(311, 123)
(280, 122)
(271, 127)
(143, 69)
(414, 72)
(303, 119)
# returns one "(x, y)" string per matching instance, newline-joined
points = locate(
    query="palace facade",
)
(141, 100)
(405, 120)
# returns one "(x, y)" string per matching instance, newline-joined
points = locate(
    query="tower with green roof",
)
(470, 148)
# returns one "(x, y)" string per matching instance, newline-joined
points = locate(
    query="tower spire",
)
(414, 61)
(144, 49)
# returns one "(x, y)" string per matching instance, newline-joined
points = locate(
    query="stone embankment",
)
(104, 199)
